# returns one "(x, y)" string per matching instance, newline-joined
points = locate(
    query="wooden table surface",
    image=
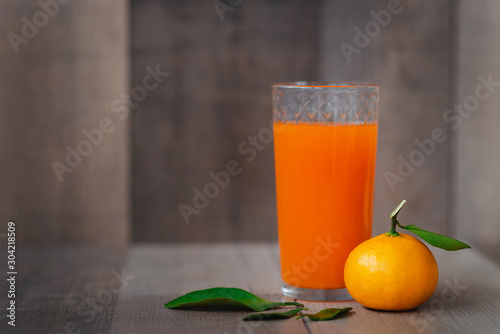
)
(75, 290)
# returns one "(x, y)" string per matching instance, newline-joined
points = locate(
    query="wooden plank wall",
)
(409, 58)
(476, 149)
(217, 94)
(62, 81)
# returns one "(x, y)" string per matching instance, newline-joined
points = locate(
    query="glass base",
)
(315, 294)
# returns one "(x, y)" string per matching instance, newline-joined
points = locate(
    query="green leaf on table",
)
(436, 240)
(274, 316)
(224, 298)
(326, 314)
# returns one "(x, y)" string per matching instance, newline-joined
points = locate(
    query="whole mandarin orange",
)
(391, 272)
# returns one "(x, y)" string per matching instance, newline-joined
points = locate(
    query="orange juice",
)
(324, 184)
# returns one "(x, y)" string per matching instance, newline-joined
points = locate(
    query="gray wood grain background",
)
(409, 58)
(476, 145)
(216, 97)
(58, 84)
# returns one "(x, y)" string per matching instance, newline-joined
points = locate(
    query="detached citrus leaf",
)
(224, 298)
(326, 314)
(274, 316)
(436, 240)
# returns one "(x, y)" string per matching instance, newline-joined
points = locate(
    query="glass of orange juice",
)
(325, 141)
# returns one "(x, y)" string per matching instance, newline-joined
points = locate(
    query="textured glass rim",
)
(323, 84)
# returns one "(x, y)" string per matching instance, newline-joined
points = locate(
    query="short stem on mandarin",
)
(394, 220)
(392, 232)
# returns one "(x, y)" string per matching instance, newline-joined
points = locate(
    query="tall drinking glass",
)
(325, 141)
